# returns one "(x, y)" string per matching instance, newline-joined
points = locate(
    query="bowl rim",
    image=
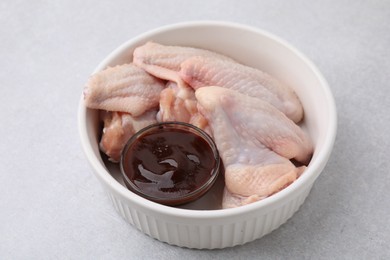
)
(311, 173)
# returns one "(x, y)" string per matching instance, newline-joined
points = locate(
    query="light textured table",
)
(51, 206)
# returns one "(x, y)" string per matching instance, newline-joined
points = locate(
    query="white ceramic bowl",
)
(202, 224)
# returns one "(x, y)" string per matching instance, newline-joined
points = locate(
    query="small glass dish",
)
(170, 163)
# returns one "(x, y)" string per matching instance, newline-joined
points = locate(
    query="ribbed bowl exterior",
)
(208, 234)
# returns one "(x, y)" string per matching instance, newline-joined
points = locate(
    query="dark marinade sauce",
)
(169, 163)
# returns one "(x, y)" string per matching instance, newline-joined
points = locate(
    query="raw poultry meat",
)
(124, 88)
(204, 71)
(250, 114)
(164, 61)
(199, 68)
(177, 101)
(255, 141)
(179, 104)
(119, 127)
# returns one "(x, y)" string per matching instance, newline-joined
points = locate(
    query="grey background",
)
(52, 207)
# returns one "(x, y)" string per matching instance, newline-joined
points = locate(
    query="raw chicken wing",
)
(119, 127)
(124, 88)
(164, 61)
(203, 71)
(255, 141)
(177, 101)
(179, 104)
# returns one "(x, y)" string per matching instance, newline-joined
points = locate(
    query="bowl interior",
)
(251, 47)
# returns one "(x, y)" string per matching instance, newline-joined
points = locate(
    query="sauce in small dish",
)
(171, 163)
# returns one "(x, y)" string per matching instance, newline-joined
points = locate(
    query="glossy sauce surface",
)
(169, 163)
